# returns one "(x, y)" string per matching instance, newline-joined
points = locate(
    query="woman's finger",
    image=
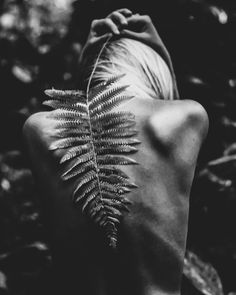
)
(125, 11)
(109, 24)
(131, 34)
(118, 18)
(103, 26)
(139, 19)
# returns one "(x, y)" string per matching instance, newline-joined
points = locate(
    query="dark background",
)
(40, 43)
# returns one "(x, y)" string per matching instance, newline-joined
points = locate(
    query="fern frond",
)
(97, 141)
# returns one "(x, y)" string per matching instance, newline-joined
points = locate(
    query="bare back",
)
(152, 237)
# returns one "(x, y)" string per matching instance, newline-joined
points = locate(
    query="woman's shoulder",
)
(39, 127)
(35, 123)
(177, 118)
(168, 117)
(179, 128)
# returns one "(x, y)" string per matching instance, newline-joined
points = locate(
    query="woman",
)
(152, 236)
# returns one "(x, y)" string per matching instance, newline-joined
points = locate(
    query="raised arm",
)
(122, 23)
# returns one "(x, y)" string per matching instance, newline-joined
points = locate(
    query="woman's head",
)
(145, 71)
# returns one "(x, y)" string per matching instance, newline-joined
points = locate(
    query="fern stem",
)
(96, 63)
(87, 103)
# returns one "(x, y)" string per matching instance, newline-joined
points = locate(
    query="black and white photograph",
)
(118, 147)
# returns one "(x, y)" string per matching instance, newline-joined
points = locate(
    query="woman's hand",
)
(135, 26)
(113, 23)
(103, 29)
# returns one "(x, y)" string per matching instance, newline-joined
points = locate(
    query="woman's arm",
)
(122, 23)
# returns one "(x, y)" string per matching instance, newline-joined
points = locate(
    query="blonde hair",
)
(145, 71)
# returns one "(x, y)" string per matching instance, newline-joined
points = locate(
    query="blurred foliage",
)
(41, 22)
(202, 275)
(40, 43)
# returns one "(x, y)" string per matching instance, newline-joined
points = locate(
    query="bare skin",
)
(152, 237)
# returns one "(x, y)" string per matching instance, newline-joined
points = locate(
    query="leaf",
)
(68, 142)
(115, 160)
(113, 119)
(65, 94)
(96, 141)
(116, 149)
(116, 133)
(75, 151)
(68, 174)
(202, 275)
(106, 97)
(65, 105)
(69, 114)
